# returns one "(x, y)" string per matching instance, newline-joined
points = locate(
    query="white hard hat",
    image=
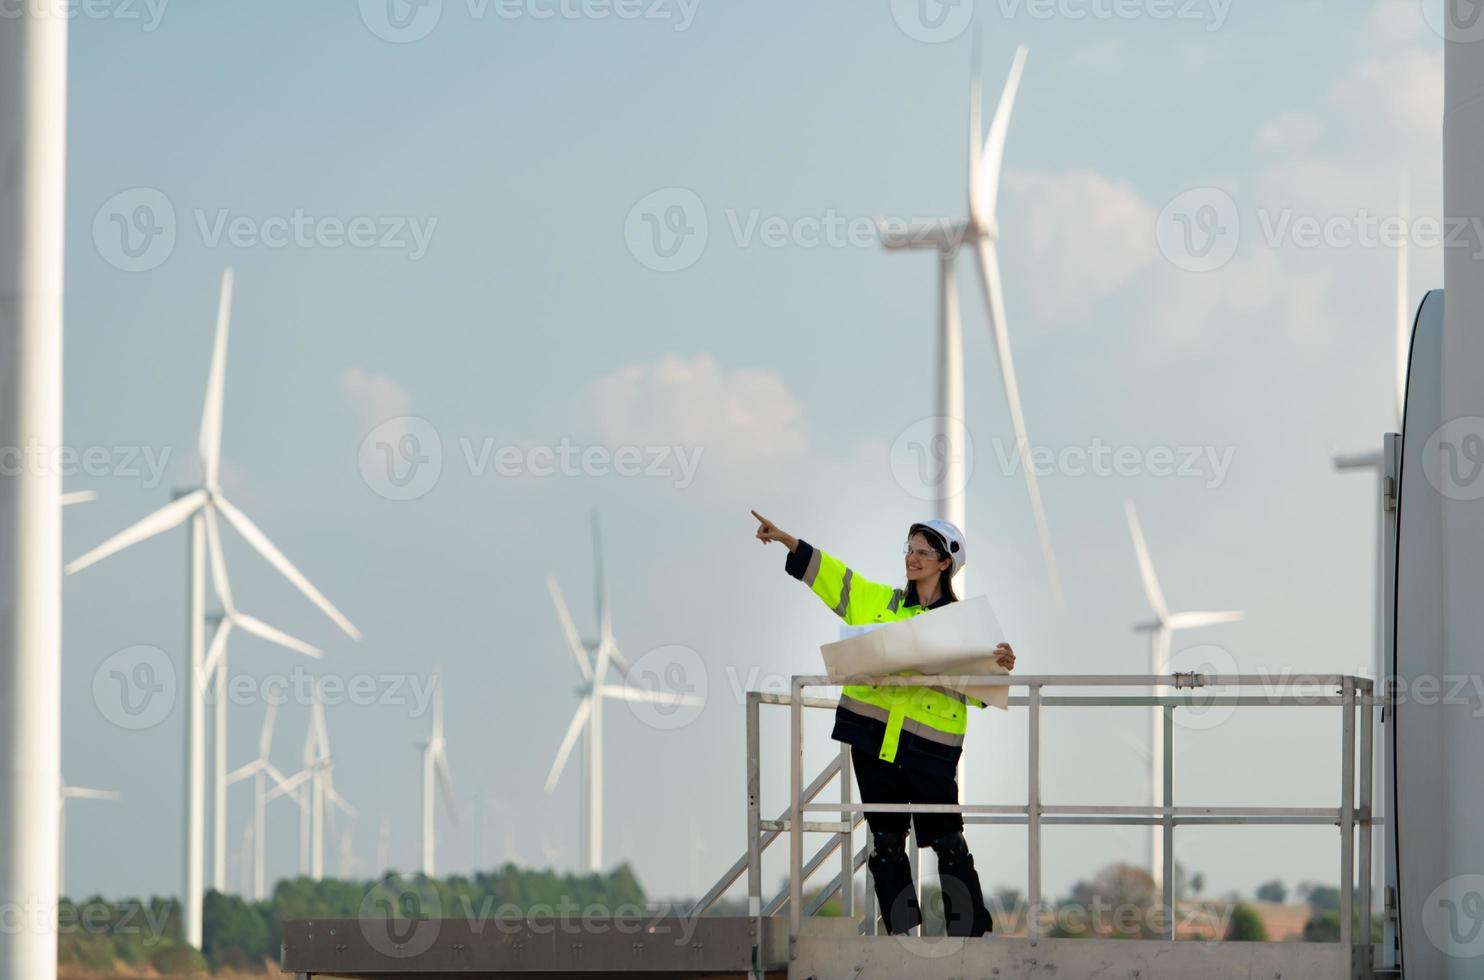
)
(952, 540)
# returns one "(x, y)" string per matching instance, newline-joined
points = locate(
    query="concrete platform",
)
(456, 949)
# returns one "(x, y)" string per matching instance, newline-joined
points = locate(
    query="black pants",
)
(963, 900)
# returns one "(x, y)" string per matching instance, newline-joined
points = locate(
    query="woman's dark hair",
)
(945, 577)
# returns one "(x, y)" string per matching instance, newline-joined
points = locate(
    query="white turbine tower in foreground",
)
(73, 793)
(199, 506)
(592, 663)
(979, 233)
(1159, 630)
(435, 769)
(33, 165)
(261, 770)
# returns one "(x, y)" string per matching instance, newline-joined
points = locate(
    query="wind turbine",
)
(588, 718)
(323, 800)
(73, 793)
(196, 505)
(979, 232)
(261, 770)
(215, 672)
(78, 497)
(435, 768)
(1159, 629)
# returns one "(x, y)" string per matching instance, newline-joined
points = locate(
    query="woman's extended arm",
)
(852, 597)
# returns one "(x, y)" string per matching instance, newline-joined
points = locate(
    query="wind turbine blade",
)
(994, 143)
(569, 629)
(1162, 650)
(438, 711)
(618, 658)
(268, 550)
(82, 793)
(160, 521)
(340, 802)
(625, 693)
(78, 497)
(600, 585)
(1403, 317)
(258, 628)
(1146, 567)
(579, 718)
(976, 140)
(1192, 620)
(989, 275)
(288, 786)
(219, 580)
(265, 735)
(210, 442)
(242, 772)
(217, 649)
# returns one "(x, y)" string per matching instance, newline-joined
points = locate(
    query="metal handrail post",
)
(847, 841)
(1347, 813)
(795, 811)
(1033, 817)
(754, 811)
(1367, 808)
(1169, 822)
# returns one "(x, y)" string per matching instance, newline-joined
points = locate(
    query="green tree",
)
(1246, 925)
(1272, 891)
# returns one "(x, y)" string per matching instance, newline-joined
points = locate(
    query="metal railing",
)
(1353, 816)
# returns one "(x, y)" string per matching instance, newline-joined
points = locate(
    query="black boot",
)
(964, 913)
(893, 876)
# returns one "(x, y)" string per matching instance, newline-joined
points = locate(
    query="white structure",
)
(78, 497)
(200, 506)
(73, 793)
(979, 232)
(261, 770)
(216, 673)
(33, 128)
(435, 769)
(1159, 629)
(592, 664)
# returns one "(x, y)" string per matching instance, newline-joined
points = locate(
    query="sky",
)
(499, 264)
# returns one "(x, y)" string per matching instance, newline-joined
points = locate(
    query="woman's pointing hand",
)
(768, 531)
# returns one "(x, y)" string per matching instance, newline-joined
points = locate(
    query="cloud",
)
(1264, 287)
(374, 397)
(1399, 94)
(747, 423)
(1088, 235)
(1288, 131)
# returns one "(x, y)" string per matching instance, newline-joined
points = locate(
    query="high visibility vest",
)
(938, 714)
